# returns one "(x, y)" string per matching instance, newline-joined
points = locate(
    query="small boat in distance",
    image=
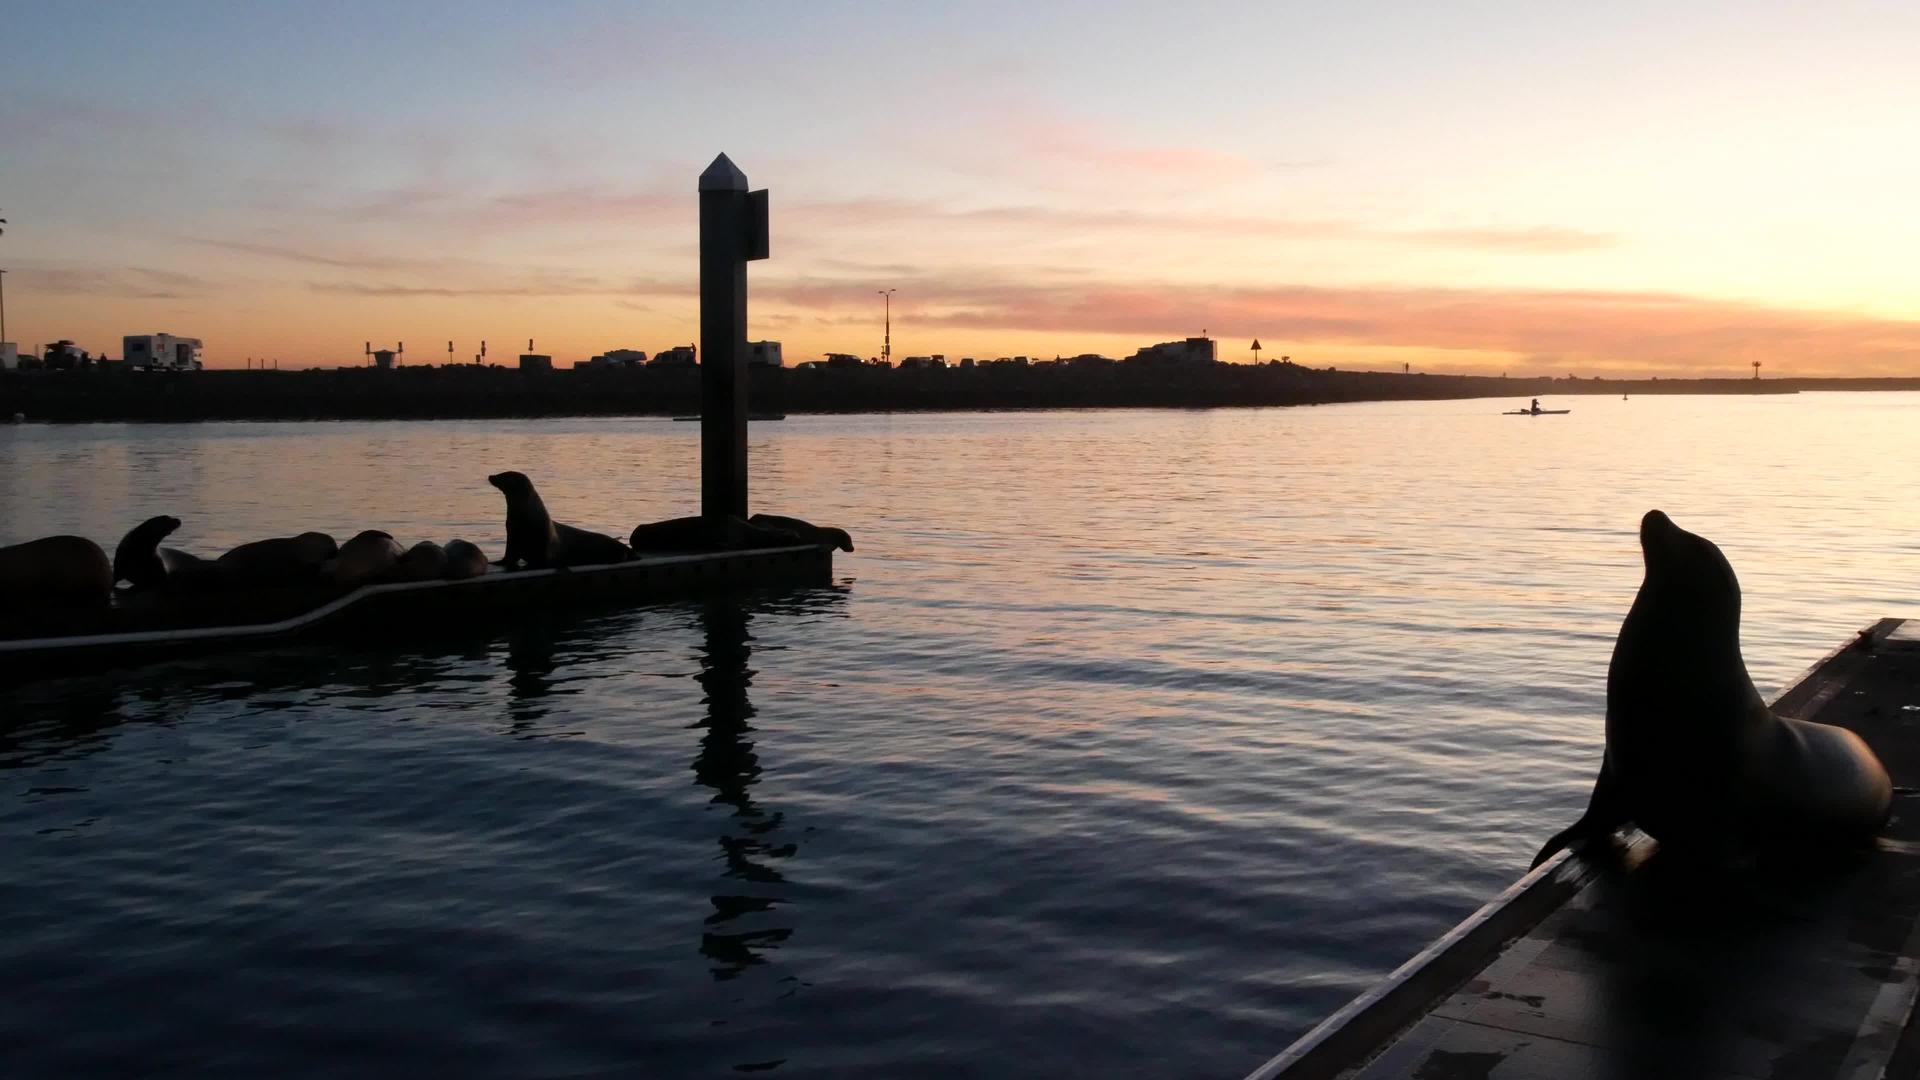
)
(1537, 412)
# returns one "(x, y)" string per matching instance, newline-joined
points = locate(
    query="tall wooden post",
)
(733, 231)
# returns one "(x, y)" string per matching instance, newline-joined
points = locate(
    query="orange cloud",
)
(1568, 329)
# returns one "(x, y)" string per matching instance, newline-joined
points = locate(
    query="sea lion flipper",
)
(1606, 812)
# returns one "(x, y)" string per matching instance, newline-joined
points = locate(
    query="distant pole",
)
(3, 305)
(1756, 371)
(886, 340)
(1256, 352)
(449, 354)
(733, 231)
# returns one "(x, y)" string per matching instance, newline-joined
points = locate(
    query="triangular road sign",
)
(1256, 344)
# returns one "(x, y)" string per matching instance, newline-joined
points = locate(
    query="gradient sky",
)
(1539, 188)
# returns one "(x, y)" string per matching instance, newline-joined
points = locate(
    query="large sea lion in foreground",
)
(464, 560)
(807, 531)
(140, 561)
(55, 571)
(536, 541)
(691, 534)
(282, 560)
(1694, 757)
(370, 556)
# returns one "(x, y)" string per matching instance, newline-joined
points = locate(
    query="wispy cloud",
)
(116, 284)
(1535, 239)
(343, 260)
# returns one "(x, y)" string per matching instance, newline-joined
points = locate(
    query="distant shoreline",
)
(497, 393)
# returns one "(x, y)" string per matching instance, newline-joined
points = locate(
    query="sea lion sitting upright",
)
(368, 557)
(140, 561)
(807, 531)
(464, 560)
(424, 561)
(280, 561)
(536, 541)
(56, 571)
(1694, 757)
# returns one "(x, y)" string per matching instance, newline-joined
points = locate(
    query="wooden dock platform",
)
(1614, 965)
(415, 606)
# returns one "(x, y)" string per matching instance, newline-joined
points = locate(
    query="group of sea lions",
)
(309, 559)
(536, 541)
(74, 572)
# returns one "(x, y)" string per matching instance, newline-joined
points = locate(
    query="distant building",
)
(966, 361)
(383, 359)
(763, 354)
(923, 363)
(536, 362)
(1194, 350)
(678, 356)
(621, 358)
(64, 355)
(844, 360)
(1090, 360)
(9, 356)
(160, 352)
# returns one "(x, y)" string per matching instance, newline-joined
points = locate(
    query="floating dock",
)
(416, 606)
(1610, 964)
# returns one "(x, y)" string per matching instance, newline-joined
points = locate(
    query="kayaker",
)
(1536, 407)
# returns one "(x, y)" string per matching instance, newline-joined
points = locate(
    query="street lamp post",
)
(886, 341)
(3, 305)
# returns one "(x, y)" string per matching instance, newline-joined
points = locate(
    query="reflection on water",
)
(727, 763)
(1132, 743)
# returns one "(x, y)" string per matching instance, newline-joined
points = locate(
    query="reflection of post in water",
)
(727, 764)
(530, 658)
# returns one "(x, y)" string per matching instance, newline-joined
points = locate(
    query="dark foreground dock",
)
(1613, 965)
(419, 607)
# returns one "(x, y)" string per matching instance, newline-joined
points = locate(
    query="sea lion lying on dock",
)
(55, 571)
(424, 561)
(280, 561)
(535, 541)
(696, 533)
(141, 562)
(1694, 757)
(370, 556)
(464, 560)
(807, 531)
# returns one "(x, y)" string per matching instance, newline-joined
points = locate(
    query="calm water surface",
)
(1127, 744)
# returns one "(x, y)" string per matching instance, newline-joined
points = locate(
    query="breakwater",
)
(483, 393)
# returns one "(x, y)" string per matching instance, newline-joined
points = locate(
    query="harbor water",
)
(1128, 743)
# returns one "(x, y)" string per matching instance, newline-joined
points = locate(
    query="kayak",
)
(1542, 412)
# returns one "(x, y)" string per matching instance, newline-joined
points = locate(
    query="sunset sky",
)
(1537, 188)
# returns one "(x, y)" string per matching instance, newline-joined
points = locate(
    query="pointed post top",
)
(723, 175)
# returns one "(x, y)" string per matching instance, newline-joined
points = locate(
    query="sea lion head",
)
(837, 538)
(1690, 594)
(136, 559)
(370, 534)
(511, 483)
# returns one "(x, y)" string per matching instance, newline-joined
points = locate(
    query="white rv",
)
(160, 352)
